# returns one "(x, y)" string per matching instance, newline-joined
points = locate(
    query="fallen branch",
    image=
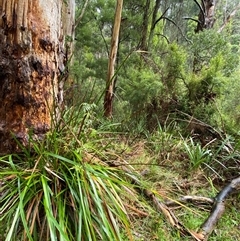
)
(218, 208)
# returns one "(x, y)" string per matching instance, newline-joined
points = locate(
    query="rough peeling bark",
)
(33, 56)
(206, 17)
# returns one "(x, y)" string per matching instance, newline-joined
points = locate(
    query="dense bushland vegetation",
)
(179, 70)
(174, 131)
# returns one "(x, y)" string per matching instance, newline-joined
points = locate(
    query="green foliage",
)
(164, 142)
(197, 155)
(229, 105)
(143, 86)
(209, 44)
(173, 74)
(153, 81)
(212, 64)
(204, 88)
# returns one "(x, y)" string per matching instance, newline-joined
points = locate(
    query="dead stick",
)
(190, 199)
(218, 208)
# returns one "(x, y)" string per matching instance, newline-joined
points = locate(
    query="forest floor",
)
(164, 167)
(167, 171)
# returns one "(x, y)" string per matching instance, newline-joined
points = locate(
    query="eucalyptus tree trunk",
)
(33, 58)
(206, 17)
(154, 20)
(109, 94)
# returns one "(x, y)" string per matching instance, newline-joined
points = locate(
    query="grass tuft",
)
(60, 190)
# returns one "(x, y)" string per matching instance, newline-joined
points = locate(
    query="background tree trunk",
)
(154, 19)
(143, 43)
(108, 99)
(206, 18)
(33, 56)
